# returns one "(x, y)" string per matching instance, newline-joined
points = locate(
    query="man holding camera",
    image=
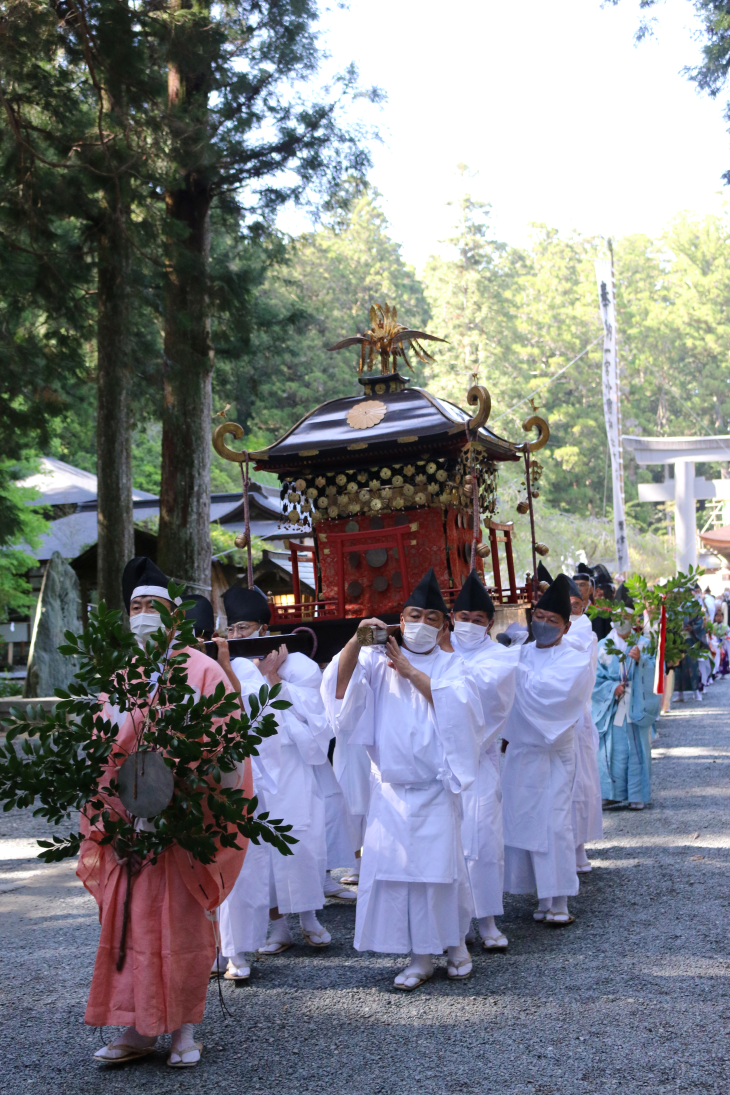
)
(418, 714)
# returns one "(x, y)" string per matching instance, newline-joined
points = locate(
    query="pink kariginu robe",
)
(170, 942)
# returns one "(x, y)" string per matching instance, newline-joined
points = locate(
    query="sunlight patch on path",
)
(665, 840)
(688, 966)
(684, 751)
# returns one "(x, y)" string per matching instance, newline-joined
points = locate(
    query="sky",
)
(559, 116)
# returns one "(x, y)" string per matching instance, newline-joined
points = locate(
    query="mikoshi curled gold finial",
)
(219, 443)
(385, 338)
(241, 458)
(479, 394)
(543, 435)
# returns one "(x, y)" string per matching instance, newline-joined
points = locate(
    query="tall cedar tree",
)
(78, 79)
(180, 105)
(237, 127)
(44, 311)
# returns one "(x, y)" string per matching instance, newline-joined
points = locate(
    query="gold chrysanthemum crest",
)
(365, 415)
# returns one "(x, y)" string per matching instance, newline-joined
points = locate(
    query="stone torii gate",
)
(685, 488)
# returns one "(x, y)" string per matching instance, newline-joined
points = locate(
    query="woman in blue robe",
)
(624, 709)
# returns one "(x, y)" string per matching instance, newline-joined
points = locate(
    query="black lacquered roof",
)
(414, 421)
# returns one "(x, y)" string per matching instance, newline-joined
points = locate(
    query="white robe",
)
(551, 688)
(286, 783)
(351, 765)
(586, 805)
(338, 824)
(413, 892)
(493, 668)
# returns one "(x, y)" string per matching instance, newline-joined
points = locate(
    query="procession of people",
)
(463, 768)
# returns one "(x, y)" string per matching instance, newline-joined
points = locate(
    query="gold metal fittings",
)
(543, 433)
(219, 443)
(479, 394)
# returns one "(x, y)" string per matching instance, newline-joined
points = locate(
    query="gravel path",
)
(635, 996)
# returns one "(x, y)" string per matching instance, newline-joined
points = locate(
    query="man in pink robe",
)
(170, 941)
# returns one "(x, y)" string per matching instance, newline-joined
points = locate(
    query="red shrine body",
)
(371, 565)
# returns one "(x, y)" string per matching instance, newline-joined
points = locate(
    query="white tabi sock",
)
(308, 920)
(312, 927)
(487, 928)
(280, 932)
(544, 904)
(183, 1047)
(458, 954)
(333, 888)
(559, 905)
(240, 965)
(458, 963)
(419, 969)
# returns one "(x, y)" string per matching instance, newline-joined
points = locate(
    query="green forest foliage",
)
(515, 316)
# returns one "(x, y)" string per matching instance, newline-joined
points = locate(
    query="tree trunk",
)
(115, 544)
(184, 551)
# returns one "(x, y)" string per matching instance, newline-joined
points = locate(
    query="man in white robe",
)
(272, 885)
(493, 668)
(419, 716)
(587, 810)
(551, 689)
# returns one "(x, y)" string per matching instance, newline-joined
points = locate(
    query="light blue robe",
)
(624, 754)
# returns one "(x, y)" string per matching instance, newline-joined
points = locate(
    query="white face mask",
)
(143, 625)
(469, 634)
(623, 630)
(573, 617)
(420, 638)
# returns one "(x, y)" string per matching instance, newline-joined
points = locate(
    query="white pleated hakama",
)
(338, 826)
(492, 667)
(551, 689)
(244, 915)
(587, 810)
(285, 780)
(549, 869)
(413, 893)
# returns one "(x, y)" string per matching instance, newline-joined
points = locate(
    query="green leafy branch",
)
(681, 608)
(67, 760)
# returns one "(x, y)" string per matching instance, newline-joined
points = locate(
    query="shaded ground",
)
(635, 996)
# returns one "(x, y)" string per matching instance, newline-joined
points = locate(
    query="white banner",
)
(612, 406)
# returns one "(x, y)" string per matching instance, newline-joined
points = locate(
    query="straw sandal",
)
(459, 971)
(552, 922)
(417, 977)
(232, 974)
(342, 894)
(279, 948)
(495, 943)
(185, 1049)
(314, 940)
(132, 1053)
